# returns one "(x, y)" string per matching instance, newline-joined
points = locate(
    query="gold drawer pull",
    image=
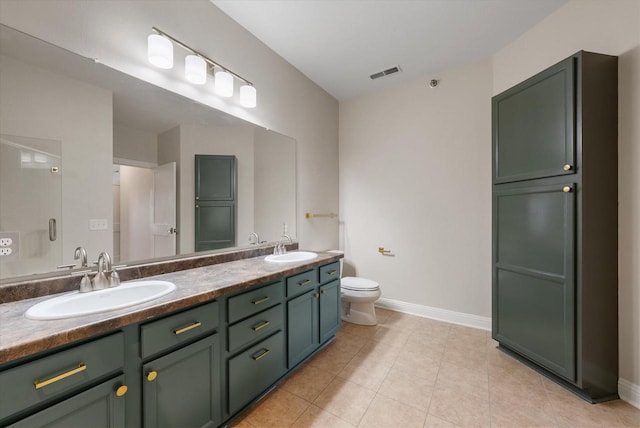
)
(122, 390)
(305, 282)
(567, 189)
(41, 384)
(260, 300)
(260, 326)
(152, 375)
(263, 354)
(187, 328)
(333, 272)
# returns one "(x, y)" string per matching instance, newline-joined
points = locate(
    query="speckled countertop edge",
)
(20, 336)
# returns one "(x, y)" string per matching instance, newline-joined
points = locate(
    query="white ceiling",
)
(339, 43)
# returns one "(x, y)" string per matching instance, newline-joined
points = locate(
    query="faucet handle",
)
(114, 278)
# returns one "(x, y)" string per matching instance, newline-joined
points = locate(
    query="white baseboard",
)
(461, 318)
(629, 392)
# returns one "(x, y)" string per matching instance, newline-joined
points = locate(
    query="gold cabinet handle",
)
(567, 189)
(333, 272)
(122, 390)
(42, 383)
(305, 282)
(260, 300)
(187, 328)
(152, 375)
(567, 167)
(260, 326)
(262, 354)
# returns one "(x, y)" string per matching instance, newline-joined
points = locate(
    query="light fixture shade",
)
(224, 83)
(160, 51)
(248, 96)
(195, 69)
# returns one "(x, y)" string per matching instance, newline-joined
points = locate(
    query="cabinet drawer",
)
(302, 282)
(251, 329)
(168, 332)
(42, 380)
(100, 406)
(329, 272)
(254, 370)
(250, 302)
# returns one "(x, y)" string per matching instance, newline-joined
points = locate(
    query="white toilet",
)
(358, 296)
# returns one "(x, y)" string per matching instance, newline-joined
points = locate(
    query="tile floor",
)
(415, 372)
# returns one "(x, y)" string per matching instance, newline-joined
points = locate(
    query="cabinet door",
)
(215, 225)
(329, 310)
(99, 406)
(182, 389)
(534, 274)
(533, 126)
(302, 326)
(254, 370)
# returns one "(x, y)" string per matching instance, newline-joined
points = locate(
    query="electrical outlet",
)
(5, 251)
(6, 242)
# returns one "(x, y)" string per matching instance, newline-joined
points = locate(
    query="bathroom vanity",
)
(196, 357)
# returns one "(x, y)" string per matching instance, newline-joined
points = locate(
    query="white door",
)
(164, 210)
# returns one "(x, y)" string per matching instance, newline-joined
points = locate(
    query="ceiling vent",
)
(386, 72)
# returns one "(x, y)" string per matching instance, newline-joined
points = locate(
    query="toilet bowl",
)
(358, 296)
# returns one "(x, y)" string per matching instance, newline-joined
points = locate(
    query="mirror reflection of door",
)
(30, 205)
(215, 202)
(144, 212)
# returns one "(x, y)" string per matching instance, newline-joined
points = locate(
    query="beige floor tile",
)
(504, 414)
(280, 408)
(572, 411)
(431, 346)
(367, 331)
(391, 336)
(380, 351)
(315, 417)
(418, 365)
(407, 389)
(517, 394)
(343, 336)
(629, 416)
(382, 312)
(435, 422)
(335, 357)
(463, 379)
(241, 424)
(388, 413)
(465, 410)
(308, 382)
(346, 400)
(461, 330)
(466, 357)
(405, 322)
(368, 373)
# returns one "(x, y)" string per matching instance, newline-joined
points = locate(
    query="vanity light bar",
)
(223, 76)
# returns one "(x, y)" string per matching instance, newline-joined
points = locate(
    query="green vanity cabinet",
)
(101, 406)
(313, 317)
(554, 215)
(182, 389)
(303, 332)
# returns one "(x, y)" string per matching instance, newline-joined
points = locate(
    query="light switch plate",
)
(98, 224)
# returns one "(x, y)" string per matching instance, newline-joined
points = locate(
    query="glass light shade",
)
(160, 51)
(195, 70)
(224, 83)
(248, 96)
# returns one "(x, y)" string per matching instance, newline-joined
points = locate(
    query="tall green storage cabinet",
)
(555, 277)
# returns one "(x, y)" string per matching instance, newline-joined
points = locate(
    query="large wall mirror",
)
(95, 158)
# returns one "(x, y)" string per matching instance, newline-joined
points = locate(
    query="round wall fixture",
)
(433, 83)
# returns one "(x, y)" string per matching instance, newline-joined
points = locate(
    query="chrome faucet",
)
(100, 281)
(253, 235)
(288, 238)
(280, 247)
(81, 254)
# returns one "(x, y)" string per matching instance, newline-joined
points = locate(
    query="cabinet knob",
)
(567, 167)
(316, 295)
(566, 189)
(122, 389)
(323, 292)
(152, 375)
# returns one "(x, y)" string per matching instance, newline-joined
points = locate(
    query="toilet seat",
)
(358, 284)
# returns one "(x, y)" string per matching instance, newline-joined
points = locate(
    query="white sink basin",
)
(76, 304)
(296, 256)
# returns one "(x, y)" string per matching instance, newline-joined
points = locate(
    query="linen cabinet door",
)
(182, 389)
(533, 126)
(534, 274)
(329, 310)
(101, 406)
(302, 326)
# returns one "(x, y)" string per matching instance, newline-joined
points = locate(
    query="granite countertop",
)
(20, 336)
